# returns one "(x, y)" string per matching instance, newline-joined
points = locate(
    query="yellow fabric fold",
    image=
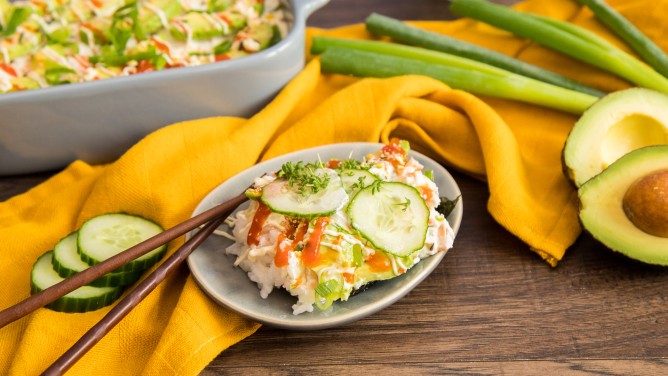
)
(514, 148)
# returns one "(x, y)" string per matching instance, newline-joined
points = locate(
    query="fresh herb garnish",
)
(404, 204)
(112, 59)
(305, 177)
(342, 229)
(352, 164)
(123, 26)
(359, 184)
(375, 186)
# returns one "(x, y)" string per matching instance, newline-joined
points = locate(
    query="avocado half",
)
(604, 205)
(613, 126)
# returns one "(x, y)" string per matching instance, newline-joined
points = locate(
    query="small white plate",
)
(228, 285)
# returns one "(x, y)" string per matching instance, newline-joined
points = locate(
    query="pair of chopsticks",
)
(211, 219)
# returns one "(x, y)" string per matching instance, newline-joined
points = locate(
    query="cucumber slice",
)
(67, 262)
(392, 216)
(107, 235)
(83, 299)
(354, 180)
(282, 198)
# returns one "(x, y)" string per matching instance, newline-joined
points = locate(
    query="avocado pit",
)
(645, 203)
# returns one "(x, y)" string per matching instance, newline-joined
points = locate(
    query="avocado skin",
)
(601, 213)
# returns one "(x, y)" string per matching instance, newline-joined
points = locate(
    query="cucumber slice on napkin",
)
(106, 235)
(83, 299)
(392, 216)
(67, 262)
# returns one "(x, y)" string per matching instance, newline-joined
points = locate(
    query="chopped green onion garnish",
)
(405, 146)
(358, 259)
(17, 16)
(328, 288)
(323, 303)
(53, 76)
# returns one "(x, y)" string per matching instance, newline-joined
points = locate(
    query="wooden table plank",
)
(575, 368)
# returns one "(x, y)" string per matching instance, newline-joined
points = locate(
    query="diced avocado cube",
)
(199, 26)
(219, 5)
(263, 33)
(26, 83)
(151, 17)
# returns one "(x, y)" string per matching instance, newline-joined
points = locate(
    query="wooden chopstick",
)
(70, 284)
(99, 330)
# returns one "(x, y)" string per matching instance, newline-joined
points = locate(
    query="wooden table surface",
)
(491, 307)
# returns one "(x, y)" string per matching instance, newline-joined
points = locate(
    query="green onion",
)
(53, 76)
(323, 303)
(16, 17)
(328, 288)
(111, 58)
(358, 259)
(564, 37)
(405, 146)
(403, 33)
(222, 47)
(638, 41)
(378, 59)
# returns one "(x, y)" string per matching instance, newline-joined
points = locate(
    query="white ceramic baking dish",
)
(45, 129)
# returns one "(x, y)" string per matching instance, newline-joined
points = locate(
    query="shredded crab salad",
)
(52, 42)
(324, 231)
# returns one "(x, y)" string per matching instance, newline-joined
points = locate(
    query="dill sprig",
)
(304, 176)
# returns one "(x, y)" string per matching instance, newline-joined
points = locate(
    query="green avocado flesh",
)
(618, 123)
(602, 213)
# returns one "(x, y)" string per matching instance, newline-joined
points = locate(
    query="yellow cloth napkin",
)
(177, 329)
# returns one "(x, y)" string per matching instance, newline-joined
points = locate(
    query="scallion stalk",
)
(639, 42)
(488, 80)
(404, 33)
(564, 37)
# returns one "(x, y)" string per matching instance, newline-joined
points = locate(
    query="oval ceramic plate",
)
(228, 285)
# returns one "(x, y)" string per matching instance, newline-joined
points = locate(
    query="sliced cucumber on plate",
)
(353, 180)
(392, 216)
(282, 197)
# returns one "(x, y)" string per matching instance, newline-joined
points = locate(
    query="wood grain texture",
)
(492, 307)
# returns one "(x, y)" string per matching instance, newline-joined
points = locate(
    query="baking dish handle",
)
(310, 6)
